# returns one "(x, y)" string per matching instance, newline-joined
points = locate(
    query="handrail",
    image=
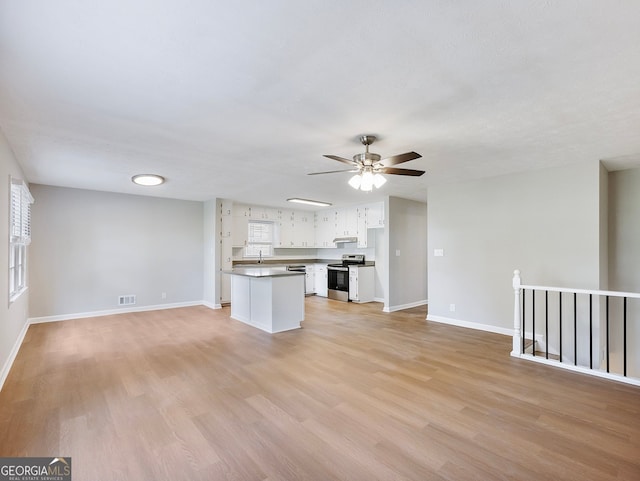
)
(519, 311)
(582, 291)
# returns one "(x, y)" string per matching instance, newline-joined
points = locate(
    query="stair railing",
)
(578, 329)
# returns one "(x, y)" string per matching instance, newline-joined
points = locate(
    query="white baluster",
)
(517, 334)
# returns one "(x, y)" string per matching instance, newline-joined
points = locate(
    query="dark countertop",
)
(261, 272)
(290, 262)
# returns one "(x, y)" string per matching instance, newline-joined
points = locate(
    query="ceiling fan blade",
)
(398, 159)
(392, 170)
(341, 159)
(333, 171)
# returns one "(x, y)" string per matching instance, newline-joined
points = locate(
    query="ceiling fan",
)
(368, 166)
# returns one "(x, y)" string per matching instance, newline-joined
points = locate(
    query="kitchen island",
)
(271, 299)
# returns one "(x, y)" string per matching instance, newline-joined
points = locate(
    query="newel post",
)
(517, 335)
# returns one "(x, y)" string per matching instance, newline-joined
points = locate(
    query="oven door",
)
(338, 283)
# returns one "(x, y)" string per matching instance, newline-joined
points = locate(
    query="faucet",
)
(260, 259)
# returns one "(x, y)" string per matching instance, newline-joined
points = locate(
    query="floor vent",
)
(127, 300)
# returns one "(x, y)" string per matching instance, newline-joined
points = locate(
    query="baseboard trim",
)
(211, 305)
(110, 312)
(579, 369)
(471, 325)
(12, 355)
(404, 306)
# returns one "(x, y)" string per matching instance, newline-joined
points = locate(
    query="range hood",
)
(344, 240)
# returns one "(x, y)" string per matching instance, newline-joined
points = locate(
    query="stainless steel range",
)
(338, 276)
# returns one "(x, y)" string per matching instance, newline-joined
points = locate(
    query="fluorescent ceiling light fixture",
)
(147, 179)
(310, 202)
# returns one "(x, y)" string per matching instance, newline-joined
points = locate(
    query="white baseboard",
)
(404, 306)
(471, 325)
(12, 355)
(211, 305)
(580, 369)
(109, 312)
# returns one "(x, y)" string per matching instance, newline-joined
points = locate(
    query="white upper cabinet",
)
(295, 229)
(347, 222)
(362, 226)
(285, 231)
(240, 229)
(375, 215)
(264, 213)
(226, 221)
(303, 229)
(325, 228)
(241, 210)
(226, 207)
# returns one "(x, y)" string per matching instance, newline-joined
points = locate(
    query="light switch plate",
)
(397, 252)
(438, 252)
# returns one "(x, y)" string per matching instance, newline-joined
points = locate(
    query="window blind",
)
(20, 215)
(260, 239)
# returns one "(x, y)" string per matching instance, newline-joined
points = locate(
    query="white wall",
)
(624, 230)
(90, 247)
(406, 228)
(545, 223)
(604, 227)
(13, 320)
(211, 240)
(624, 265)
(380, 253)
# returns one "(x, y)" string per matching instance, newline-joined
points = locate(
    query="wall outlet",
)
(164, 295)
(438, 252)
(397, 252)
(452, 307)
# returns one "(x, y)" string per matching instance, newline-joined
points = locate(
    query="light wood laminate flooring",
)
(356, 394)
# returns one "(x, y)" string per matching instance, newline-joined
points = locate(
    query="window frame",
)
(20, 201)
(254, 247)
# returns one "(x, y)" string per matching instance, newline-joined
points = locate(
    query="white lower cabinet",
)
(321, 282)
(310, 281)
(361, 283)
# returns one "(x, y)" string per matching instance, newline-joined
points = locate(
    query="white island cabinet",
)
(270, 299)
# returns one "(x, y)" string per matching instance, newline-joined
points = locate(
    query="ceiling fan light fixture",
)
(355, 181)
(367, 181)
(369, 165)
(147, 180)
(378, 180)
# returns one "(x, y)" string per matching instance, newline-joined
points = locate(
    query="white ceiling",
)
(241, 99)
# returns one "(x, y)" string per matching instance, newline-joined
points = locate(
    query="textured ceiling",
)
(241, 99)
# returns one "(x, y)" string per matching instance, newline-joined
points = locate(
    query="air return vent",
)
(127, 300)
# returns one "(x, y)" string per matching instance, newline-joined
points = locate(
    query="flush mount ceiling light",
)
(369, 167)
(310, 202)
(147, 179)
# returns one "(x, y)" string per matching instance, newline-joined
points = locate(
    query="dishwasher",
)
(300, 268)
